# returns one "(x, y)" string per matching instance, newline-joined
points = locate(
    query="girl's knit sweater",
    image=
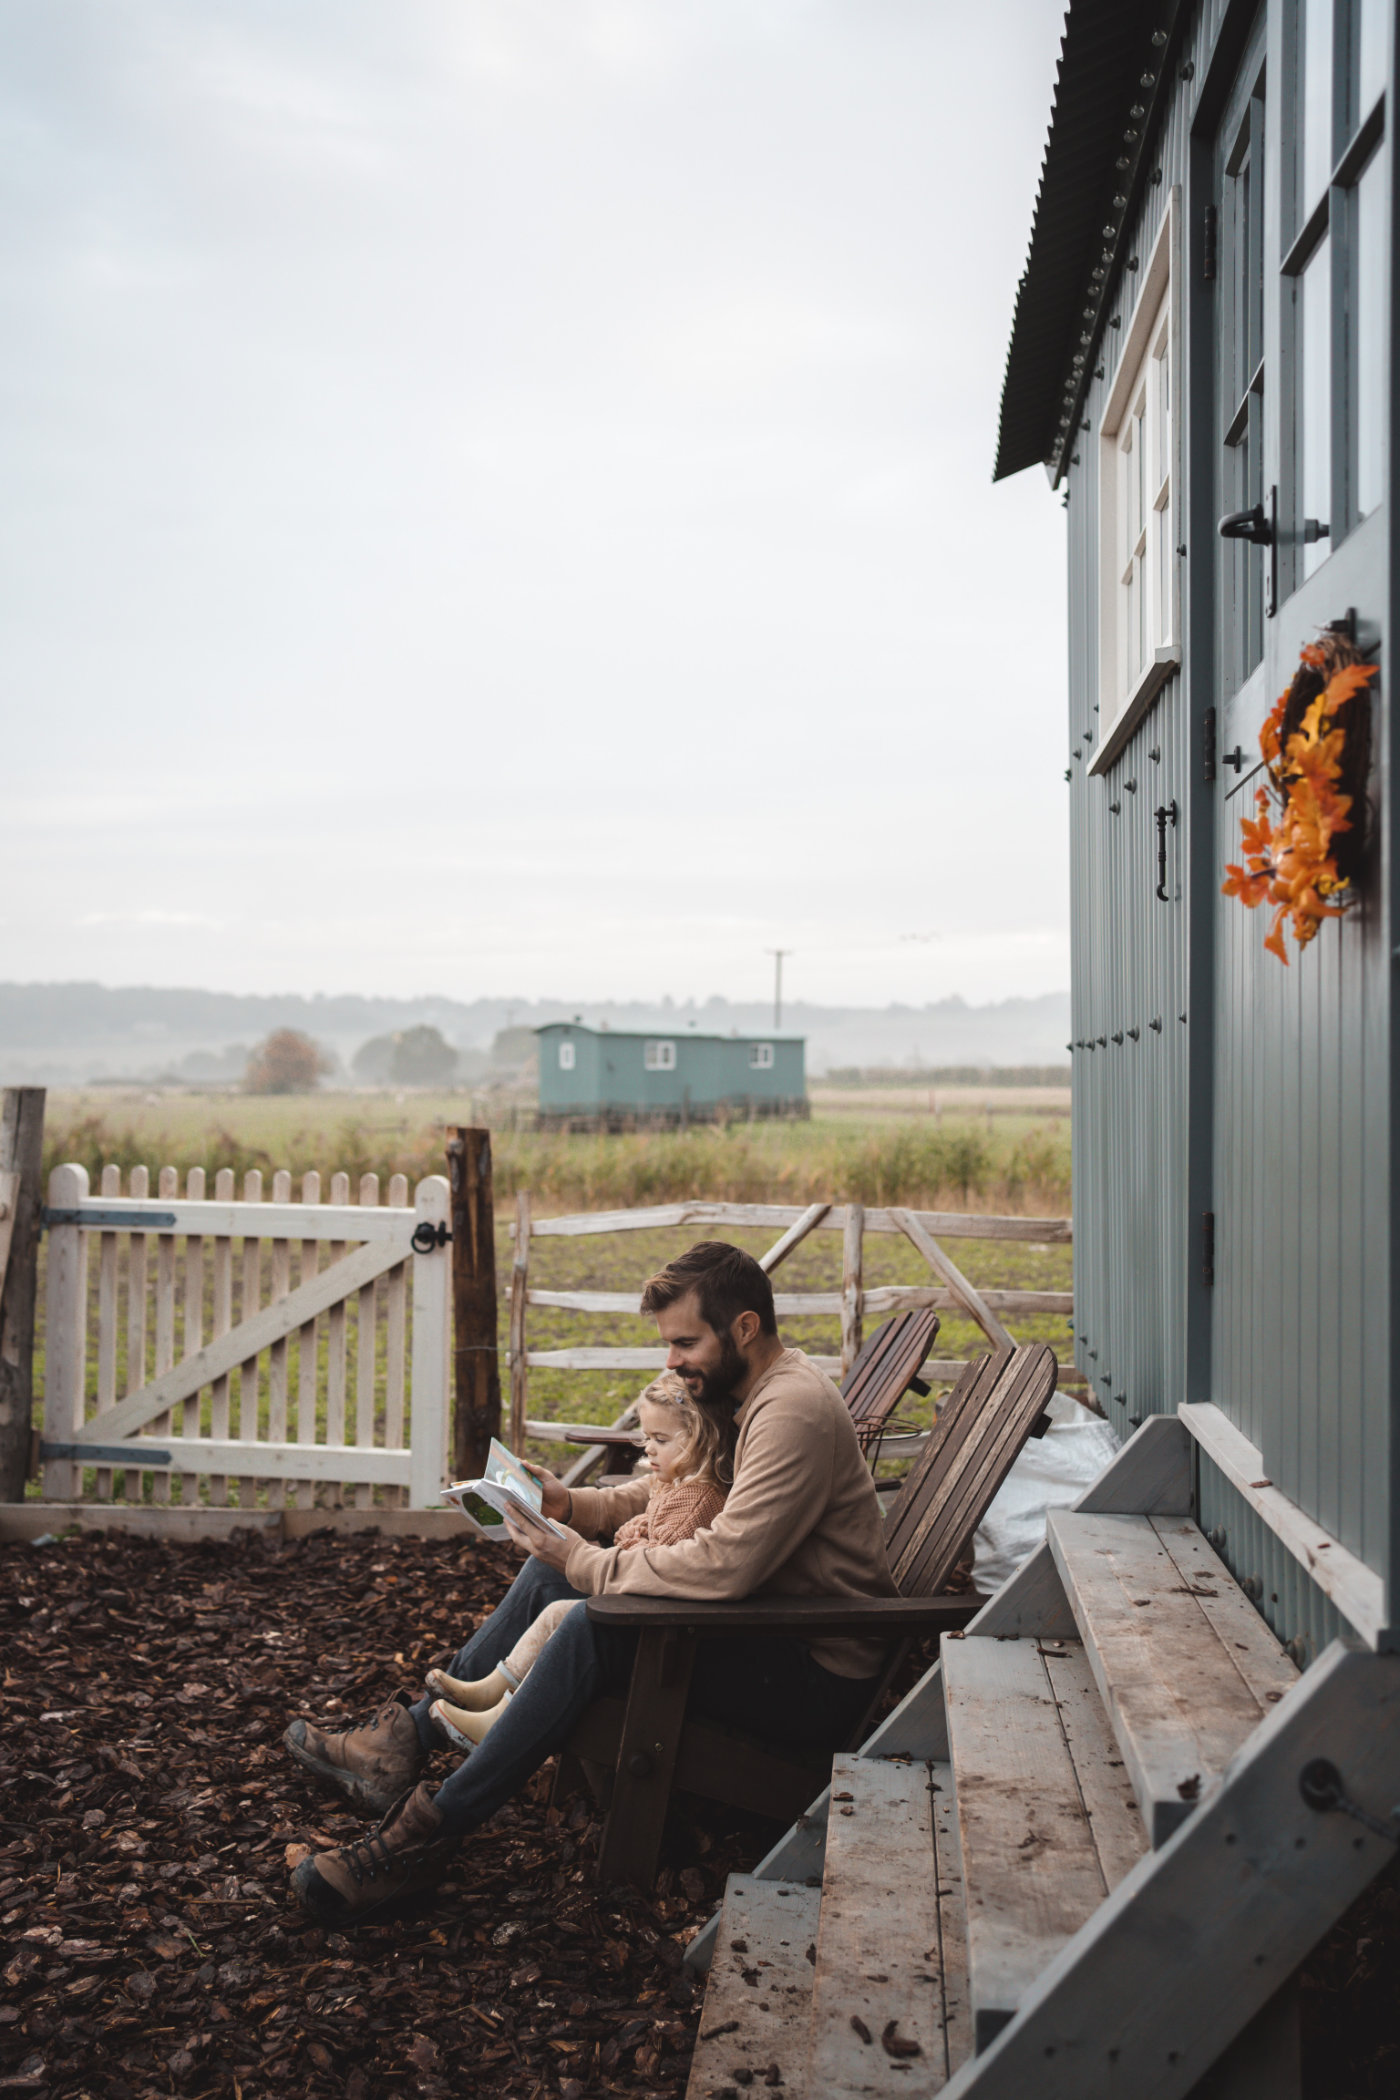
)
(677, 1510)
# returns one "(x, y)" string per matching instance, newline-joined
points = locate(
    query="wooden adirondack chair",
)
(885, 1370)
(635, 1751)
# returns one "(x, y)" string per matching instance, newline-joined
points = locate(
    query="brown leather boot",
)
(408, 1853)
(374, 1764)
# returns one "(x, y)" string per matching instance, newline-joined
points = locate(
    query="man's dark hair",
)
(724, 1279)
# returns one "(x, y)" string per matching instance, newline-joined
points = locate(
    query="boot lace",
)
(370, 1857)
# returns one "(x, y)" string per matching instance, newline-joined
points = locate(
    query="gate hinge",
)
(132, 1457)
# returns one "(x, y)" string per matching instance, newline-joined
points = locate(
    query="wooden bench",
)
(1080, 1859)
(635, 1751)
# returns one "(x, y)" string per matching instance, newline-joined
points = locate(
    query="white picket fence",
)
(341, 1377)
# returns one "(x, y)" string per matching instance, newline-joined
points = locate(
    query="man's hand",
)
(557, 1501)
(539, 1541)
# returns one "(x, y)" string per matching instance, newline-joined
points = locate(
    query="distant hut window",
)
(761, 1056)
(566, 1057)
(1137, 470)
(661, 1056)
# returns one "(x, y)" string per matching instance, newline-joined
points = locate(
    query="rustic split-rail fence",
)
(275, 1345)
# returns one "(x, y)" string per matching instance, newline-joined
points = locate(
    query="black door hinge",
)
(1208, 247)
(1208, 745)
(1208, 1247)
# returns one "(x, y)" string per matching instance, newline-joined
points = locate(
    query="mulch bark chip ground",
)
(151, 1817)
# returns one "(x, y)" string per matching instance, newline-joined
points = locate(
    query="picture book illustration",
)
(505, 1487)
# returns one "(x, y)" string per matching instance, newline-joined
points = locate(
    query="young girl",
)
(690, 1459)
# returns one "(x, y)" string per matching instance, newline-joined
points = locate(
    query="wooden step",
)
(1045, 1813)
(1185, 1666)
(758, 2000)
(880, 2022)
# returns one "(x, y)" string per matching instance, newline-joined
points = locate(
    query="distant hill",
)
(68, 1034)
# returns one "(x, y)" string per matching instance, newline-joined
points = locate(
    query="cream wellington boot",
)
(472, 1694)
(464, 1728)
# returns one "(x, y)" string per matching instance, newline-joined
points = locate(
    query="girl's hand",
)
(540, 1542)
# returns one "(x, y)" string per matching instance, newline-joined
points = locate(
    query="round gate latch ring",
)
(427, 1237)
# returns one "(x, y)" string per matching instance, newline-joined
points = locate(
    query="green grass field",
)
(1014, 1163)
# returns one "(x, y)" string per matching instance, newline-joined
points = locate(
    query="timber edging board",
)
(27, 1521)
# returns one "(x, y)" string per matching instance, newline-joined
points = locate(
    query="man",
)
(802, 1519)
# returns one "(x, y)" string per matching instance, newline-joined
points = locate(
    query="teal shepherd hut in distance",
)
(615, 1076)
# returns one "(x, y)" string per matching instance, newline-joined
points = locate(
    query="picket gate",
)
(339, 1379)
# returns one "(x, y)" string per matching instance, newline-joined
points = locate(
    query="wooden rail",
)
(853, 1305)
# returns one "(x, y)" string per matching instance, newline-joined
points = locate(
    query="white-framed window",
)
(761, 1056)
(566, 1057)
(660, 1056)
(1138, 640)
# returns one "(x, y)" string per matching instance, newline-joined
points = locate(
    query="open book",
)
(506, 1487)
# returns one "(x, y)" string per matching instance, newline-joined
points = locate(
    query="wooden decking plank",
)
(877, 1947)
(952, 1917)
(758, 2000)
(1030, 1862)
(1251, 1644)
(1104, 1786)
(1178, 1704)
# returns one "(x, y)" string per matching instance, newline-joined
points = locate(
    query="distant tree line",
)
(290, 1062)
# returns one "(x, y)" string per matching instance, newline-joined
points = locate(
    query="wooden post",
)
(431, 1317)
(852, 1284)
(476, 1415)
(21, 1191)
(65, 1333)
(519, 1287)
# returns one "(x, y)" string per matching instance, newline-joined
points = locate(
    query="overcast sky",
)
(496, 498)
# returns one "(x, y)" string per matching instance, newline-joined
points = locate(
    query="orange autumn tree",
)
(1315, 758)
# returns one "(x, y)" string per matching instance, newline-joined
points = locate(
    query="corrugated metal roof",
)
(1101, 78)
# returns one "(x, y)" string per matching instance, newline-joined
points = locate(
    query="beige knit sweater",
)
(677, 1510)
(802, 1518)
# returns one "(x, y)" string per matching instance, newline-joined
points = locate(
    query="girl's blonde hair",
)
(709, 1440)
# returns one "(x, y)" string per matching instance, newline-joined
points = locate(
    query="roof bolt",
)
(1148, 80)
(1137, 112)
(1122, 163)
(1188, 71)
(1120, 203)
(1156, 1026)
(1130, 135)
(1159, 39)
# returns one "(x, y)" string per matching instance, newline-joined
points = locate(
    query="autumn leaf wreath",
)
(1301, 849)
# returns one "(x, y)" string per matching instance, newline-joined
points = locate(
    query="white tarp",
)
(1051, 1473)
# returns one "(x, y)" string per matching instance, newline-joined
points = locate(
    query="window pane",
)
(1315, 400)
(1370, 31)
(1369, 326)
(1315, 58)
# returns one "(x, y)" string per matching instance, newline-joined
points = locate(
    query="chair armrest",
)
(874, 1617)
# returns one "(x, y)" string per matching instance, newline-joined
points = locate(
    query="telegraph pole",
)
(777, 955)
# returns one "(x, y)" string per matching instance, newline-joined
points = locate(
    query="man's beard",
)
(716, 1388)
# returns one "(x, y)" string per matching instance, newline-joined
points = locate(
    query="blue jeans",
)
(769, 1687)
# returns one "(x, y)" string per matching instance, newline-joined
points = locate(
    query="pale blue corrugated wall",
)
(1299, 1315)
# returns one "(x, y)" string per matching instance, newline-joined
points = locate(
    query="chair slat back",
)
(879, 1378)
(980, 1430)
